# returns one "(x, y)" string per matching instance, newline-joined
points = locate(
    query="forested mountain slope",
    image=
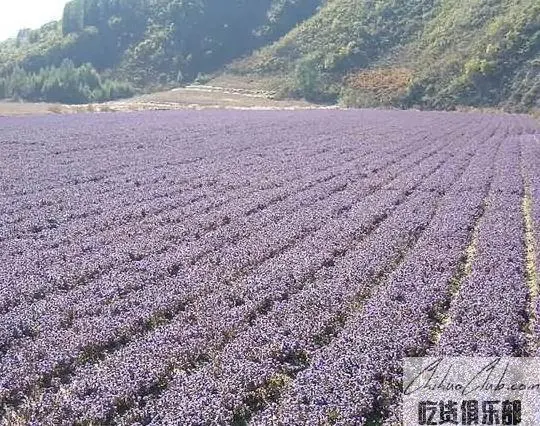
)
(407, 53)
(429, 53)
(146, 42)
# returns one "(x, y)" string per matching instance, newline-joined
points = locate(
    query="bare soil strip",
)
(190, 97)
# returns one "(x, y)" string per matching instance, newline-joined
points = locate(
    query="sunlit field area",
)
(257, 267)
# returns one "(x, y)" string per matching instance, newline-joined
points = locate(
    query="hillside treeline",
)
(151, 42)
(434, 54)
(66, 83)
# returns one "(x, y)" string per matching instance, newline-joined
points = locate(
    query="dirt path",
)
(189, 97)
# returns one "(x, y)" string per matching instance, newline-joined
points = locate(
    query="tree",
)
(307, 78)
(73, 18)
(3, 88)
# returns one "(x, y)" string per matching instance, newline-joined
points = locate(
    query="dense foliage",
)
(267, 267)
(466, 52)
(151, 42)
(65, 83)
(451, 52)
(481, 52)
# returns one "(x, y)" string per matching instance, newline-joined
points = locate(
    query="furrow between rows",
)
(253, 369)
(355, 378)
(261, 303)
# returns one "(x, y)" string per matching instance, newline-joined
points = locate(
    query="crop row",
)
(162, 297)
(357, 378)
(264, 268)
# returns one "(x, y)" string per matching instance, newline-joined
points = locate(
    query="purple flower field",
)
(262, 267)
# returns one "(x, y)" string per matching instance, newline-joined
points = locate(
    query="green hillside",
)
(146, 43)
(425, 53)
(438, 54)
